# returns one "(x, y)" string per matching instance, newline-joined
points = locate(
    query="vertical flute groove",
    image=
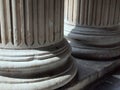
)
(35, 22)
(41, 26)
(22, 18)
(2, 22)
(15, 26)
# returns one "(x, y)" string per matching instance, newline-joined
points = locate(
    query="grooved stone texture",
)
(33, 52)
(92, 27)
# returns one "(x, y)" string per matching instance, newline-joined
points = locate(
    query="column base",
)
(37, 69)
(39, 83)
(94, 43)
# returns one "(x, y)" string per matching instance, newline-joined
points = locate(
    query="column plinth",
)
(93, 28)
(33, 53)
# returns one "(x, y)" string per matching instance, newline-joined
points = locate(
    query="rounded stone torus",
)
(92, 27)
(33, 52)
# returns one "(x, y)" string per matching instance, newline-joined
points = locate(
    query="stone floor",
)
(108, 82)
(90, 71)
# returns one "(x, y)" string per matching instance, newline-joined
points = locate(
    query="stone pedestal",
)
(93, 28)
(33, 53)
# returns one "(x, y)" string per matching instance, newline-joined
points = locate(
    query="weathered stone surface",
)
(30, 24)
(108, 82)
(33, 52)
(90, 71)
(93, 28)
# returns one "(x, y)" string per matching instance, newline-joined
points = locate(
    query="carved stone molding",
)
(93, 28)
(33, 53)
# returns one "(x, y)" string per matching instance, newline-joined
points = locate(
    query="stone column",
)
(93, 28)
(33, 53)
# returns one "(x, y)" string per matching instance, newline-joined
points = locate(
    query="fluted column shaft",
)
(30, 24)
(33, 52)
(93, 28)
